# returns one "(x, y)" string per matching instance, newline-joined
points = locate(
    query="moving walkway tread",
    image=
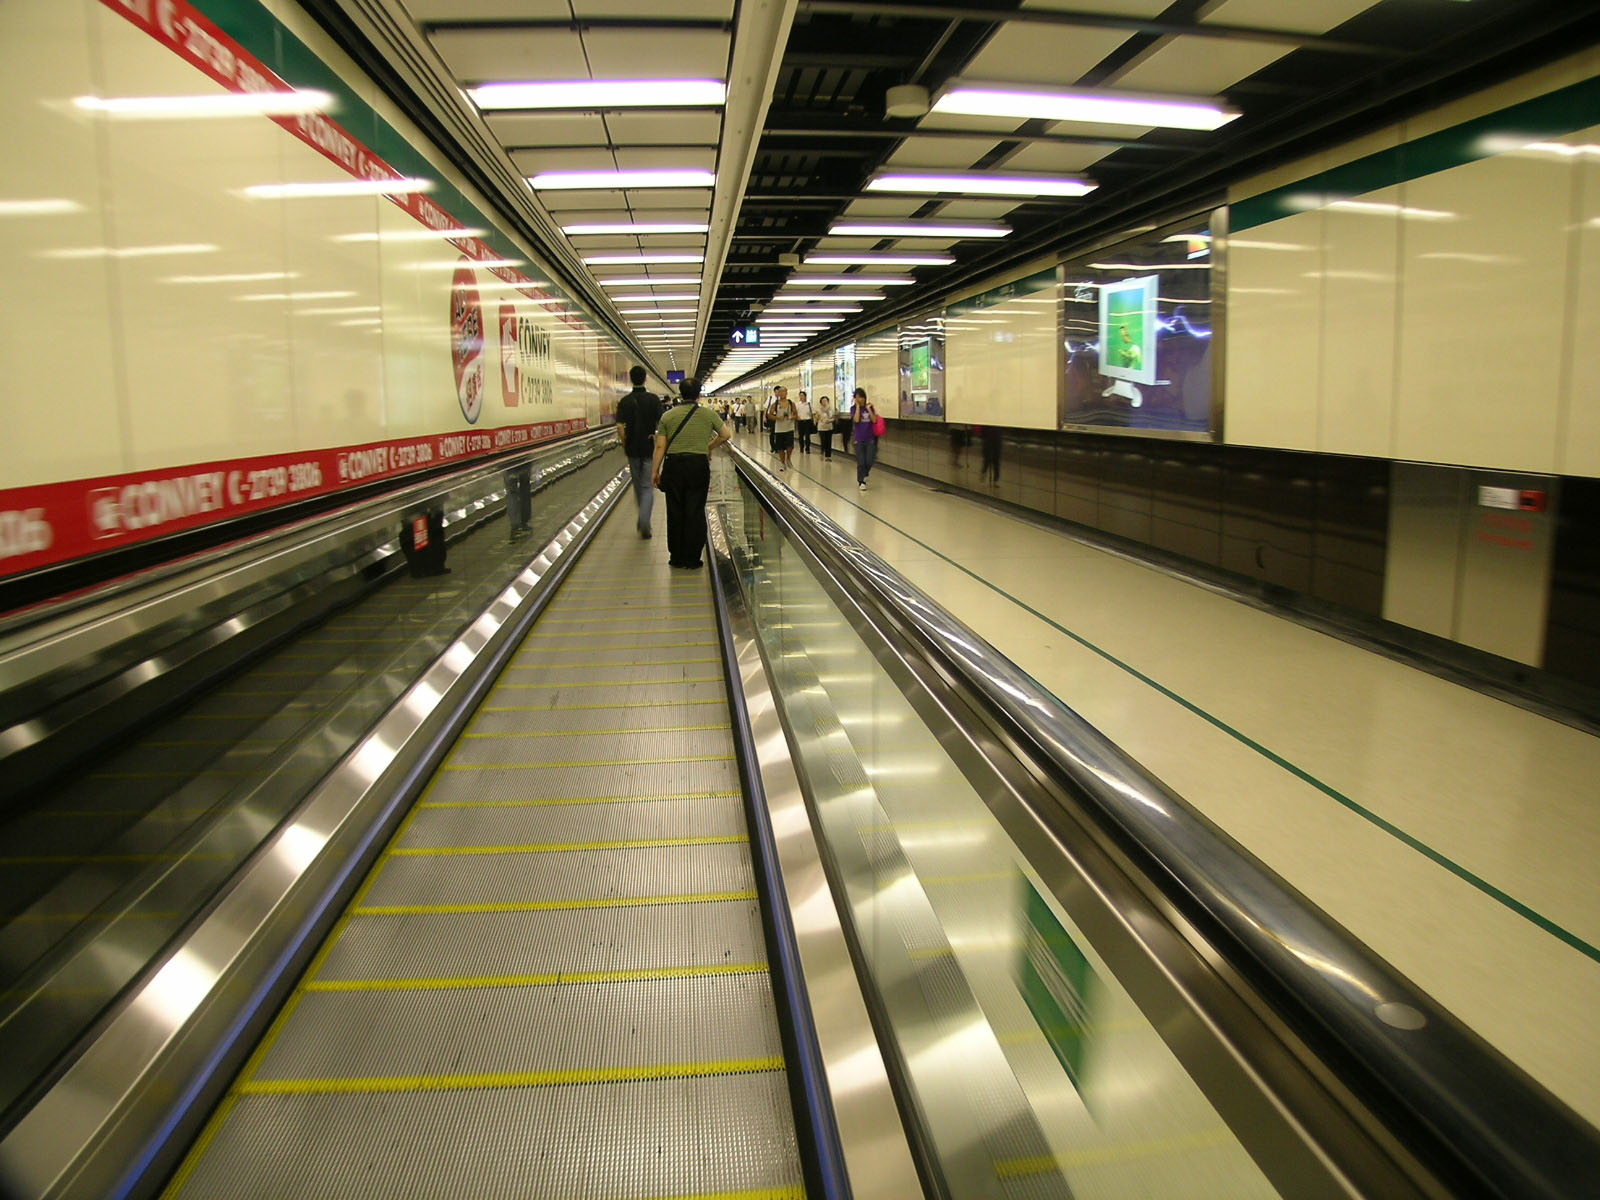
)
(554, 980)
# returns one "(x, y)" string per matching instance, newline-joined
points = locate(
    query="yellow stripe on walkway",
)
(589, 707)
(620, 666)
(557, 803)
(713, 839)
(593, 762)
(611, 683)
(371, 1084)
(527, 906)
(546, 733)
(552, 979)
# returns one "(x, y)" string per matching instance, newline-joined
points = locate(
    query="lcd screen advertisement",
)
(844, 373)
(922, 350)
(1136, 336)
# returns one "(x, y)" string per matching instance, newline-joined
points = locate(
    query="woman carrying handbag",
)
(864, 424)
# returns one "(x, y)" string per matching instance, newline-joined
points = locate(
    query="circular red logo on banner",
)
(510, 381)
(466, 340)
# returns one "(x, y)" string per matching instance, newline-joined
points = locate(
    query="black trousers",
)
(685, 480)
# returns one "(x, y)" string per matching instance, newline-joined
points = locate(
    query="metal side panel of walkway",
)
(554, 980)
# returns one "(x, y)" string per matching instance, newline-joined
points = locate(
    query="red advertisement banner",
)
(54, 522)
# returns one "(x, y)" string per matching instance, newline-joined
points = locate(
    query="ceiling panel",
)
(554, 129)
(634, 158)
(1022, 52)
(657, 53)
(579, 201)
(686, 10)
(978, 210)
(487, 10)
(672, 241)
(1053, 156)
(563, 158)
(1198, 65)
(1303, 16)
(483, 55)
(684, 128)
(650, 198)
(884, 206)
(995, 125)
(940, 152)
(1112, 8)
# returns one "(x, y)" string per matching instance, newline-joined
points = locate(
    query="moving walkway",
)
(634, 886)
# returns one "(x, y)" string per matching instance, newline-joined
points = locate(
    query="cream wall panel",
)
(334, 310)
(1578, 437)
(1001, 364)
(57, 356)
(878, 370)
(418, 386)
(1481, 314)
(1359, 299)
(1274, 316)
(205, 379)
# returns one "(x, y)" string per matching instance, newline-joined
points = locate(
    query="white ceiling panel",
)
(991, 125)
(1110, 8)
(672, 241)
(682, 128)
(1026, 53)
(1303, 16)
(686, 10)
(652, 198)
(638, 158)
(1053, 156)
(940, 152)
(671, 214)
(926, 244)
(563, 158)
(1198, 65)
(884, 206)
(1128, 132)
(584, 201)
(657, 53)
(978, 210)
(553, 129)
(484, 55)
(488, 10)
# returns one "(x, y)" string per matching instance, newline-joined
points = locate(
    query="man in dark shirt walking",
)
(637, 415)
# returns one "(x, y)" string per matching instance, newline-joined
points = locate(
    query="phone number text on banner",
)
(51, 523)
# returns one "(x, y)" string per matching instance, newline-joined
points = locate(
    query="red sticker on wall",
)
(466, 340)
(419, 533)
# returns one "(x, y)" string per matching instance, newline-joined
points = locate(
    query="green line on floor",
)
(1530, 914)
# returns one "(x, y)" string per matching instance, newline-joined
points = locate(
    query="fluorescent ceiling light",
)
(888, 258)
(410, 235)
(621, 300)
(649, 281)
(852, 297)
(801, 309)
(849, 281)
(641, 258)
(632, 316)
(800, 322)
(1083, 105)
(566, 180)
(1403, 211)
(257, 277)
(192, 108)
(602, 93)
(626, 228)
(849, 227)
(132, 251)
(979, 183)
(343, 187)
(38, 208)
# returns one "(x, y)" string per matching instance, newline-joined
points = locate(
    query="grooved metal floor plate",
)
(553, 982)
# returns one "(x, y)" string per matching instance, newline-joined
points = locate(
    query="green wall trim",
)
(1006, 291)
(1552, 115)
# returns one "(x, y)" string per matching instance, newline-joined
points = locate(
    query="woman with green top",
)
(685, 438)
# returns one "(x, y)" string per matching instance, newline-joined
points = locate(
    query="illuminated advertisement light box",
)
(1127, 329)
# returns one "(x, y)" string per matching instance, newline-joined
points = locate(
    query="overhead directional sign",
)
(675, 376)
(745, 335)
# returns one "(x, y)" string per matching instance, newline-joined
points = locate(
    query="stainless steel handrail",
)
(1483, 1122)
(130, 1093)
(49, 636)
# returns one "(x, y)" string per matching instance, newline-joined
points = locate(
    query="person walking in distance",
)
(637, 414)
(824, 422)
(864, 433)
(803, 425)
(783, 421)
(685, 439)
